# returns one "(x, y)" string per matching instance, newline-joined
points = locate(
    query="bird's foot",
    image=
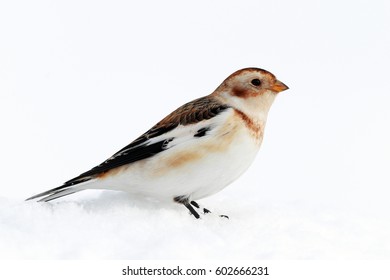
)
(191, 204)
(205, 210)
(184, 200)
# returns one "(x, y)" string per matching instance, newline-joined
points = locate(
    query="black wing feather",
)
(198, 110)
(121, 158)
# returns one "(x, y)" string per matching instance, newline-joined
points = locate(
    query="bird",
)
(192, 153)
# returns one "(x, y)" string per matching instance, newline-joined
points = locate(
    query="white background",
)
(81, 79)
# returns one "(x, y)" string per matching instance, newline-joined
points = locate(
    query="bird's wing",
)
(157, 139)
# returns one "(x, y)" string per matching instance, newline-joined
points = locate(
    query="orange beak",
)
(278, 86)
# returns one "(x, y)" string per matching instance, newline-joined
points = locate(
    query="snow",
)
(79, 80)
(112, 225)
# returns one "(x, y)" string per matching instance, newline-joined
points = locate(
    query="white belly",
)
(222, 169)
(195, 170)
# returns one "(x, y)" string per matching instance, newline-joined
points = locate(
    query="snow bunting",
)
(195, 151)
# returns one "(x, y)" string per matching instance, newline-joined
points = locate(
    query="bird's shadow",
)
(107, 201)
(113, 199)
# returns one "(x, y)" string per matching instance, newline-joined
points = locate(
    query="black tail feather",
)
(51, 191)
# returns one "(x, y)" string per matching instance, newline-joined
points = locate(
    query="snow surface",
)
(112, 225)
(79, 80)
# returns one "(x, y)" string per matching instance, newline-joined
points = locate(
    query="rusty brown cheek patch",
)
(243, 93)
(246, 93)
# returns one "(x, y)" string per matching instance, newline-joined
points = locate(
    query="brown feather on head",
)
(250, 82)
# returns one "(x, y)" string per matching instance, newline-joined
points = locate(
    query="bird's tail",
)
(61, 191)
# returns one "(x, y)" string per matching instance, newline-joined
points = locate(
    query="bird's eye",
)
(256, 82)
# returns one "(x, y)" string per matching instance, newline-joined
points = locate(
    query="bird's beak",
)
(278, 86)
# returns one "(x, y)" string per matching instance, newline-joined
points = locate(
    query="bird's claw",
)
(205, 210)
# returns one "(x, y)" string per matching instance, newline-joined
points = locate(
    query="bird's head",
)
(251, 90)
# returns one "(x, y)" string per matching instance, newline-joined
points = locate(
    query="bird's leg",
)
(192, 210)
(186, 203)
(205, 210)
